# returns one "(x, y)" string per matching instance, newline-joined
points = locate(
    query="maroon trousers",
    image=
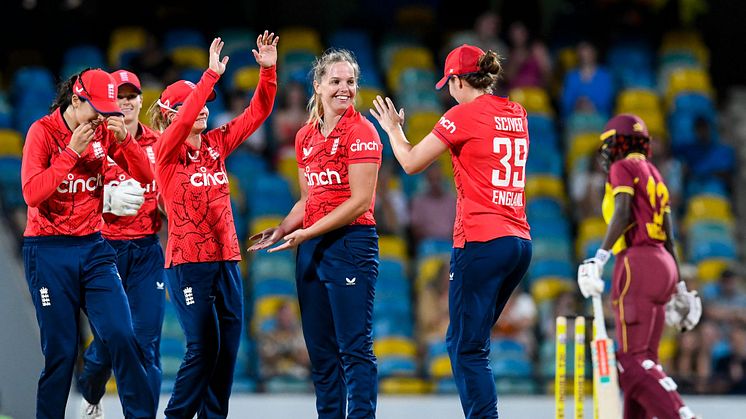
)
(644, 280)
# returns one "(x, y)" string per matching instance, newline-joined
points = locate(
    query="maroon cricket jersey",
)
(147, 221)
(194, 182)
(64, 191)
(488, 141)
(637, 176)
(326, 161)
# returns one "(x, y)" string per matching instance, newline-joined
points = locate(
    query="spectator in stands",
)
(432, 307)
(529, 63)
(338, 155)
(730, 370)
(671, 169)
(153, 65)
(693, 361)
(589, 87)
(238, 100)
(282, 352)
(518, 321)
(727, 304)
(587, 189)
(485, 34)
(68, 265)
(434, 210)
(202, 253)
(708, 159)
(392, 217)
(289, 117)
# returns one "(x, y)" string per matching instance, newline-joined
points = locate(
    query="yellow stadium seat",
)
(246, 78)
(548, 288)
(260, 224)
(544, 185)
(582, 145)
(428, 270)
(266, 307)
(190, 57)
(593, 228)
(394, 347)
(440, 367)
(636, 100)
(667, 347)
(11, 143)
(404, 385)
(419, 57)
(149, 96)
(419, 124)
(299, 39)
(708, 207)
(687, 79)
(534, 99)
(710, 270)
(365, 97)
(688, 41)
(567, 58)
(125, 39)
(392, 247)
(288, 169)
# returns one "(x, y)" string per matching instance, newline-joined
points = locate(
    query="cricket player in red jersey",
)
(202, 253)
(487, 137)
(131, 223)
(69, 266)
(332, 225)
(638, 212)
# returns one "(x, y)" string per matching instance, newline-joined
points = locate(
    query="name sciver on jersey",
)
(501, 196)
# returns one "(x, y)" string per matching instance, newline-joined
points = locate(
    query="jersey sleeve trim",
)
(623, 189)
(442, 138)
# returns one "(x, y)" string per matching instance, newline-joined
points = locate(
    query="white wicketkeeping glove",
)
(589, 280)
(124, 199)
(684, 309)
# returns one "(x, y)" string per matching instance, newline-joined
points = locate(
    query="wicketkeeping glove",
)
(124, 199)
(684, 309)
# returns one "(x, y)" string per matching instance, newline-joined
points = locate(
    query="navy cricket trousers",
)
(66, 274)
(484, 275)
(208, 297)
(336, 276)
(140, 264)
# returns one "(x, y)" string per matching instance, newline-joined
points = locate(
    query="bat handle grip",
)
(598, 317)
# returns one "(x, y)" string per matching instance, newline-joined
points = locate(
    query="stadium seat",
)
(710, 270)
(11, 143)
(688, 80)
(707, 207)
(545, 186)
(397, 346)
(396, 366)
(534, 99)
(365, 97)
(582, 145)
(80, 57)
(419, 124)
(183, 37)
(189, 56)
(299, 38)
(403, 385)
(583, 123)
(542, 132)
(268, 287)
(392, 247)
(590, 229)
(637, 100)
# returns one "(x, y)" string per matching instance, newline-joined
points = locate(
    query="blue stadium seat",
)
(6, 111)
(430, 247)
(80, 57)
(267, 287)
(551, 268)
(543, 208)
(542, 131)
(175, 38)
(724, 248)
(393, 324)
(396, 366)
(269, 194)
(696, 103)
(265, 265)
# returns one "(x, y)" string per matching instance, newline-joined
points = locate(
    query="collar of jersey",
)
(636, 156)
(347, 116)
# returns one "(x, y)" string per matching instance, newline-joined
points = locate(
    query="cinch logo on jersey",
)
(202, 178)
(503, 123)
(447, 124)
(150, 187)
(358, 145)
(507, 198)
(327, 177)
(73, 185)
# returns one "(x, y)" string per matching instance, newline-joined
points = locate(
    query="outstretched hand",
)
(386, 114)
(292, 240)
(266, 238)
(216, 64)
(265, 53)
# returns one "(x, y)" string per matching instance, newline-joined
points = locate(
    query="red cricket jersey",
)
(64, 192)
(147, 221)
(194, 182)
(326, 162)
(488, 141)
(637, 176)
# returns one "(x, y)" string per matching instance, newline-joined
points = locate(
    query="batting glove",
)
(124, 199)
(589, 280)
(684, 309)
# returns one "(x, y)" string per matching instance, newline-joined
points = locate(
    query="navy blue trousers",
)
(66, 274)
(140, 264)
(208, 298)
(484, 275)
(336, 277)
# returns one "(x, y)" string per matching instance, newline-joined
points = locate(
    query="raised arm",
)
(177, 132)
(413, 159)
(241, 127)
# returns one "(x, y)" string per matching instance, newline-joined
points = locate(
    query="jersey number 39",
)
(513, 172)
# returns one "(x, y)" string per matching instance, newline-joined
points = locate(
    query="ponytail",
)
(490, 71)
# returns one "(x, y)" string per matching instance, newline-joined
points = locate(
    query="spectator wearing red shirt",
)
(487, 137)
(69, 267)
(202, 253)
(339, 154)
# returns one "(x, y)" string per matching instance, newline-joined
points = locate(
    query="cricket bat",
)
(606, 400)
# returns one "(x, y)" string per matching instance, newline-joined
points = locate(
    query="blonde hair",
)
(320, 68)
(158, 121)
